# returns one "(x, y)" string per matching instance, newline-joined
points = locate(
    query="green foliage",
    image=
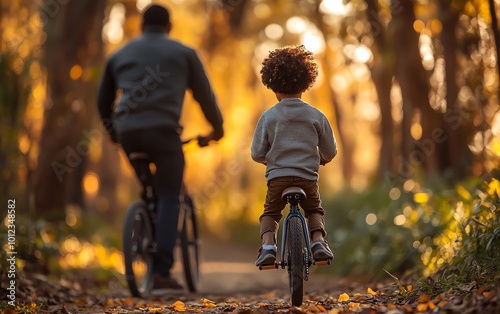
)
(56, 248)
(419, 228)
(21, 308)
(370, 232)
(478, 256)
(37, 244)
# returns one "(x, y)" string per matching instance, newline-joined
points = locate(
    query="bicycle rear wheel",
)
(190, 246)
(295, 263)
(137, 249)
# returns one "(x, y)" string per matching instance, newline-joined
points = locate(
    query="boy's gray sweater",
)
(292, 138)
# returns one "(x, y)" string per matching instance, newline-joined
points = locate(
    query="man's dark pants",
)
(164, 148)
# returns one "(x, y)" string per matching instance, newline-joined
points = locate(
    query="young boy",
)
(292, 139)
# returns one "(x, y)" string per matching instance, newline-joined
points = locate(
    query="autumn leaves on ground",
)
(232, 284)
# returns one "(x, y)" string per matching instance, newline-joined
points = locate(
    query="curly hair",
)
(289, 70)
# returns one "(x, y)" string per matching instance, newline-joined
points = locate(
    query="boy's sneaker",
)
(267, 255)
(321, 251)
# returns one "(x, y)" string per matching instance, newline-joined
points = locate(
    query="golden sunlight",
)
(76, 72)
(335, 7)
(262, 10)
(296, 25)
(141, 4)
(371, 219)
(113, 31)
(91, 183)
(416, 130)
(418, 26)
(24, 144)
(313, 40)
(399, 220)
(421, 197)
(274, 31)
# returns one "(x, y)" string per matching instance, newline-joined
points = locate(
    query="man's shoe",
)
(321, 251)
(266, 257)
(166, 283)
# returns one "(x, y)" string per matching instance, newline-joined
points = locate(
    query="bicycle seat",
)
(293, 190)
(138, 156)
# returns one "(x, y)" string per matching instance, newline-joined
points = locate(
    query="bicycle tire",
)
(295, 260)
(190, 247)
(137, 249)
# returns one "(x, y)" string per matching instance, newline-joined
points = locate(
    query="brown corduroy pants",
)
(274, 205)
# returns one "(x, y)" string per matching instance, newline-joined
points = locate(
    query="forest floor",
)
(230, 283)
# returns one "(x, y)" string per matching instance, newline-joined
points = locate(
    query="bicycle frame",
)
(293, 199)
(187, 238)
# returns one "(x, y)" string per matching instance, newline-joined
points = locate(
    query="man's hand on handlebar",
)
(205, 140)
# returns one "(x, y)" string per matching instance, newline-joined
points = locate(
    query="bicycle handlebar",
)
(203, 141)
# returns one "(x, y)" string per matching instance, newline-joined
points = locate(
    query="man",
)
(151, 73)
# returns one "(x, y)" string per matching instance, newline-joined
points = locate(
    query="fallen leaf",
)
(179, 306)
(208, 303)
(438, 298)
(343, 297)
(9, 311)
(482, 289)
(424, 298)
(422, 307)
(109, 302)
(431, 305)
(370, 291)
(297, 310)
(271, 294)
(354, 307)
(489, 294)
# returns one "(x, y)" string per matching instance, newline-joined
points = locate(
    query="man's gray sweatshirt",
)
(292, 138)
(153, 72)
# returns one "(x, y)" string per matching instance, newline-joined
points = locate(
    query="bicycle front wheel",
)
(137, 249)
(295, 236)
(190, 247)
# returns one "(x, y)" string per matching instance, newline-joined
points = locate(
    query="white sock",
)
(269, 247)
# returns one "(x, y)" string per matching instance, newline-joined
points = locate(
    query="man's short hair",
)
(155, 15)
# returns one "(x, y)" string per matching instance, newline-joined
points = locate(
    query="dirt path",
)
(229, 269)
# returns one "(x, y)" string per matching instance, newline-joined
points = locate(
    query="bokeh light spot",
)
(76, 72)
(371, 219)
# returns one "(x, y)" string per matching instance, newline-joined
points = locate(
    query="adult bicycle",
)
(139, 243)
(296, 244)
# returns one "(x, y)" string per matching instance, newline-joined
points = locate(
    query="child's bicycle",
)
(139, 245)
(296, 243)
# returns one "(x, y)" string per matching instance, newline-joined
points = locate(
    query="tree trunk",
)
(73, 45)
(414, 82)
(457, 156)
(382, 73)
(345, 143)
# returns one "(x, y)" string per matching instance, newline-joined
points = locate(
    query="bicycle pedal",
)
(267, 267)
(322, 262)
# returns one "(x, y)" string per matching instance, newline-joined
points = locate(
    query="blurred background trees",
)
(410, 87)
